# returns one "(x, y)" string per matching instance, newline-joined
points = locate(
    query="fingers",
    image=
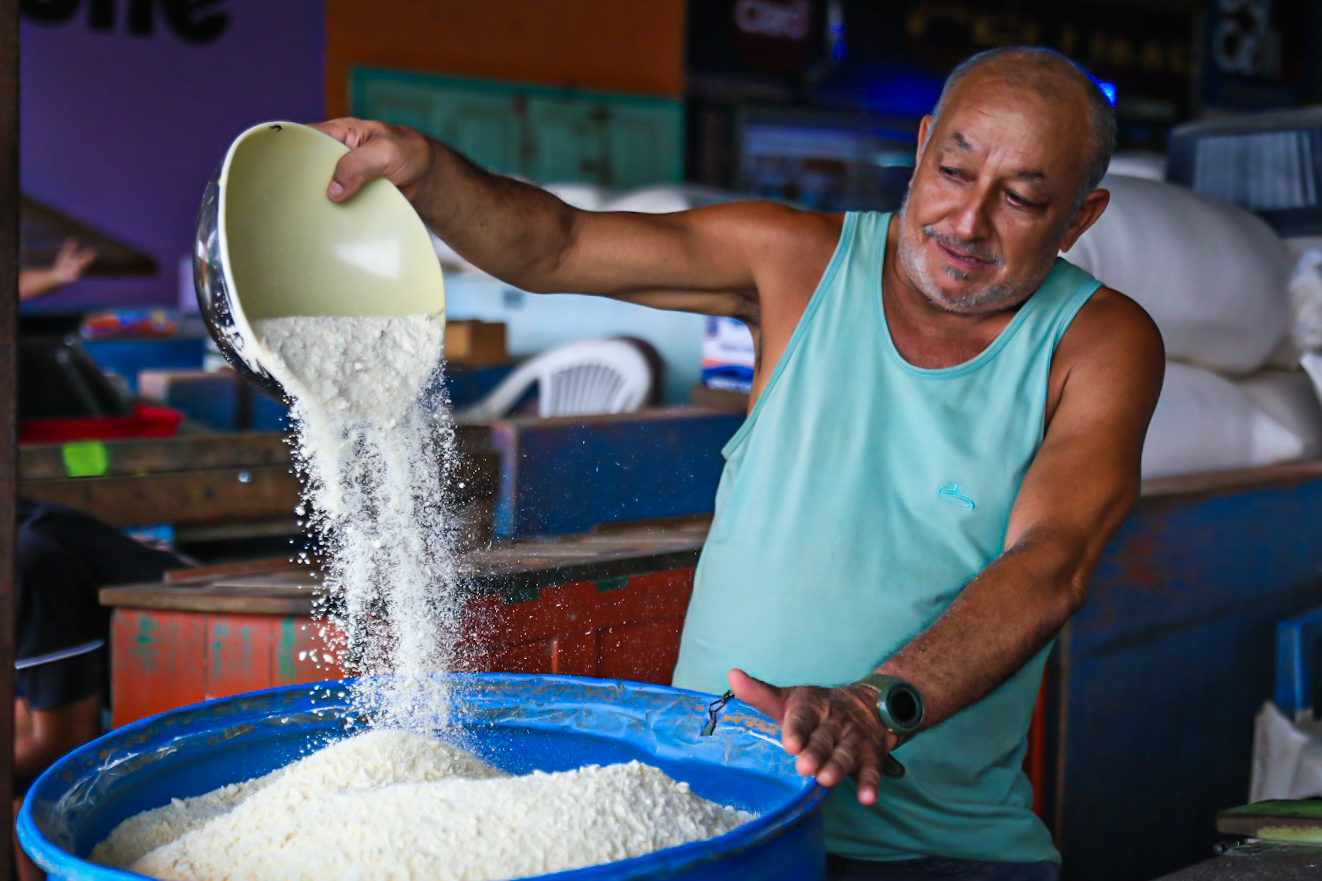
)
(72, 260)
(868, 777)
(371, 154)
(803, 716)
(822, 741)
(359, 167)
(348, 131)
(758, 694)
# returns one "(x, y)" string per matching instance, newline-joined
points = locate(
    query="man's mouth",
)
(961, 259)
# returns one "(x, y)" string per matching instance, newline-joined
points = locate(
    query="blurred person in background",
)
(62, 670)
(70, 264)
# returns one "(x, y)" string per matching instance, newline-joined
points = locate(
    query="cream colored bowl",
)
(270, 244)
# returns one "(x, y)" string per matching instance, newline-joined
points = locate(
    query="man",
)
(946, 432)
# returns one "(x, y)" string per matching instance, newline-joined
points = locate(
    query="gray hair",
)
(1040, 63)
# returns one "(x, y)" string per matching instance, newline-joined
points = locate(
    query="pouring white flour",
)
(374, 444)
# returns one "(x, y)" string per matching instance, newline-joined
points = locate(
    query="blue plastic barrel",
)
(516, 723)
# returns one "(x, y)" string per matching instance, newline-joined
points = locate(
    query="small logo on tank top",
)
(950, 494)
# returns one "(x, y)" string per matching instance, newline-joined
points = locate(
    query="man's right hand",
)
(377, 149)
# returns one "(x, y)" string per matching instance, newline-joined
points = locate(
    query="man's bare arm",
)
(1076, 494)
(710, 260)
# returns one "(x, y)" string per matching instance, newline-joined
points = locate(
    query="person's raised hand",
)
(71, 262)
(835, 732)
(376, 149)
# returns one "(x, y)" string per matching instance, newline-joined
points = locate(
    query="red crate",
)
(148, 420)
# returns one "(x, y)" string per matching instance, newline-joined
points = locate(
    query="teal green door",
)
(546, 135)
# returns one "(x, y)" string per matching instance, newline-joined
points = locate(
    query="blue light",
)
(1108, 89)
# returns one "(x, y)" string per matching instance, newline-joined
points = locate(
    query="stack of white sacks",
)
(1239, 313)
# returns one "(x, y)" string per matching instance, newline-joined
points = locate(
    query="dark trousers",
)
(937, 869)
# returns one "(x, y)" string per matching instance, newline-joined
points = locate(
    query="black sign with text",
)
(193, 21)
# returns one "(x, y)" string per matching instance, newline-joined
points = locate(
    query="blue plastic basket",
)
(516, 723)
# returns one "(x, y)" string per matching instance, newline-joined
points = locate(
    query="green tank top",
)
(858, 499)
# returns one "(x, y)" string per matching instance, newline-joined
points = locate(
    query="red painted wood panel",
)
(644, 652)
(239, 653)
(156, 663)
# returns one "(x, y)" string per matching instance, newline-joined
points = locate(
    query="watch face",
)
(904, 706)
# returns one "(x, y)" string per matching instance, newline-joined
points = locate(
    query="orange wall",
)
(615, 45)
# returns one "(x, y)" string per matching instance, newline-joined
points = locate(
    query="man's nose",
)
(971, 220)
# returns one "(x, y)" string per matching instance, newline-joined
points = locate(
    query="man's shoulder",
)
(785, 228)
(1111, 323)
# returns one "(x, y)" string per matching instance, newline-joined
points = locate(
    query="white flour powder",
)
(394, 805)
(374, 447)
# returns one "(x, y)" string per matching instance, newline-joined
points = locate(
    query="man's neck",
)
(925, 334)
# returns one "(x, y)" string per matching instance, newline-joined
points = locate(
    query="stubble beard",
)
(994, 296)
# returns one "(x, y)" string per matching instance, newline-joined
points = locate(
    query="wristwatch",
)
(899, 705)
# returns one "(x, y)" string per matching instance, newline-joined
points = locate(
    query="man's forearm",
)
(999, 622)
(517, 232)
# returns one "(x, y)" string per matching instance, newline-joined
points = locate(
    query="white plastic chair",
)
(582, 378)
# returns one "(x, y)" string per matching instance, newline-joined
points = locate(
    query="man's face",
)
(992, 195)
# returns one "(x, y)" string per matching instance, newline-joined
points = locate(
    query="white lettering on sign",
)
(770, 19)
(1243, 40)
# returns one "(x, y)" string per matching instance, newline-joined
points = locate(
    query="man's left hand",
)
(835, 732)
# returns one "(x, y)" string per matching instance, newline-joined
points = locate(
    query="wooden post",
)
(8, 398)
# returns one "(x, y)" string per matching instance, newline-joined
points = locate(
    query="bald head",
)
(1053, 77)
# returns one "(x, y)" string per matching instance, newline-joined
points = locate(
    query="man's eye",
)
(1016, 199)
(954, 173)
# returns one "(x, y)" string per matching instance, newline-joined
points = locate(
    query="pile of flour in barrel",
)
(375, 447)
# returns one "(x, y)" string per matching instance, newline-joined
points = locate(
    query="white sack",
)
(1204, 422)
(1287, 757)
(1212, 275)
(1289, 397)
(588, 197)
(1138, 163)
(665, 198)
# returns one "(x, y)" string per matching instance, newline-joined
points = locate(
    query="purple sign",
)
(128, 106)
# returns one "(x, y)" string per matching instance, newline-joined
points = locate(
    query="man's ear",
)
(1091, 209)
(924, 129)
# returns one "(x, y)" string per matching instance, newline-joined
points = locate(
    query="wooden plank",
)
(1236, 480)
(240, 653)
(194, 452)
(513, 572)
(8, 401)
(157, 662)
(207, 574)
(718, 398)
(182, 497)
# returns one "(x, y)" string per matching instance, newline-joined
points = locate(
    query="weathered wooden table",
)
(607, 604)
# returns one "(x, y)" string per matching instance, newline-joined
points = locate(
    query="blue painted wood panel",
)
(1158, 677)
(562, 476)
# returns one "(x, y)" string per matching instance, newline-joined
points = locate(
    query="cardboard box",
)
(475, 343)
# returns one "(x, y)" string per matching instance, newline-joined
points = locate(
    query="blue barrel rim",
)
(56, 861)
